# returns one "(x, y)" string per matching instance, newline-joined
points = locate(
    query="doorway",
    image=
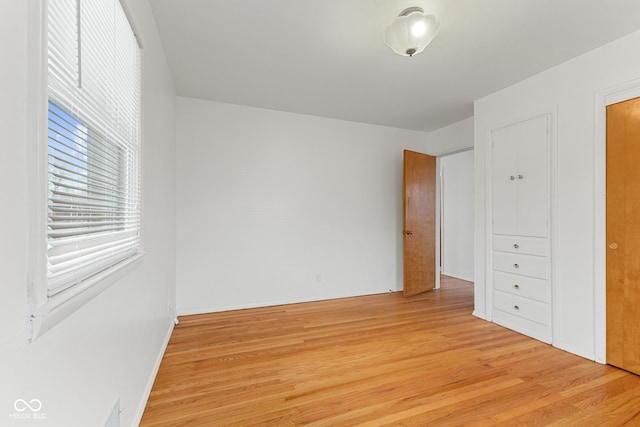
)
(457, 215)
(446, 186)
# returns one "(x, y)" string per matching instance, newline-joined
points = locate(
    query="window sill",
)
(59, 307)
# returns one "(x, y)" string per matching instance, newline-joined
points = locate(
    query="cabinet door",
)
(532, 175)
(504, 170)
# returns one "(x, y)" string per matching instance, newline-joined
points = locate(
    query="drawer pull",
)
(515, 307)
(512, 178)
(520, 176)
(516, 266)
(516, 286)
(516, 246)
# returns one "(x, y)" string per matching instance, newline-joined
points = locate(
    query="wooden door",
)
(623, 235)
(419, 222)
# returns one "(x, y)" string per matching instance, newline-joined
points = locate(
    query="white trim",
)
(59, 307)
(477, 314)
(113, 419)
(613, 95)
(579, 351)
(36, 133)
(553, 226)
(132, 23)
(488, 228)
(457, 276)
(154, 373)
(189, 311)
(438, 222)
(463, 150)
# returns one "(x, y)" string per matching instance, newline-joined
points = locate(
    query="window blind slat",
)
(73, 138)
(63, 169)
(60, 260)
(60, 246)
(65, 279)
(70, 178)
(93, 140)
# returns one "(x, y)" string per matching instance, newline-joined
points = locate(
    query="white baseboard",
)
(188, 311)
(478, 315)
(154, 372)
(457, 276)
(576, 350)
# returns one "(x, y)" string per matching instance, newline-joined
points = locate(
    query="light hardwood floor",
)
(379, 360)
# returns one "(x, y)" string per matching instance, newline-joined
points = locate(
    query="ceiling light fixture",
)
(411, 32)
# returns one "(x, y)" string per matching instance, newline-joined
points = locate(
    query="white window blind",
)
(93, 140)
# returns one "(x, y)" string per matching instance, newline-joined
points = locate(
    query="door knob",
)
(613, 245)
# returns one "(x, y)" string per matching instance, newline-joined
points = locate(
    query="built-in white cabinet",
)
(519, 177)
(520, 268)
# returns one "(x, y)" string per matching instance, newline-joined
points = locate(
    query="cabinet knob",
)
(512, 177)
(520, 176)
(516, 246)
(516, 286)
(516, 266)
(613, 245)
(515, 307)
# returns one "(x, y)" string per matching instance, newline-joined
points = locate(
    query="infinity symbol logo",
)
(21, 405)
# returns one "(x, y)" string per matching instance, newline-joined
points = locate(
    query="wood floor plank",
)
(378, 360)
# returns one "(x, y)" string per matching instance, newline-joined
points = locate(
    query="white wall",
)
(268, 200)
(451, 139)
(108, 348)
(458, 214)
(572, 88)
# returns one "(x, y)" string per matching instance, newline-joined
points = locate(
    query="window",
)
(93, 151)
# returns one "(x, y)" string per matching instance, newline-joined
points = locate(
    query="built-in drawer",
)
(527, 265)
(524, 286)
(522, 307)
(522, 245)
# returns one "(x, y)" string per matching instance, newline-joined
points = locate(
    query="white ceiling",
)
(327, 57)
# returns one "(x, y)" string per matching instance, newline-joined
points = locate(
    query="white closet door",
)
(505, 187)
(532, 178)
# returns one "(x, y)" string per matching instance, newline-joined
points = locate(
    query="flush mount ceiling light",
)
(411, 32)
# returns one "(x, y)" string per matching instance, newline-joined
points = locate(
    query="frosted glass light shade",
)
(411, 32)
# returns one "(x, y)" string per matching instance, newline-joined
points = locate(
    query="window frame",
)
(45, 312)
